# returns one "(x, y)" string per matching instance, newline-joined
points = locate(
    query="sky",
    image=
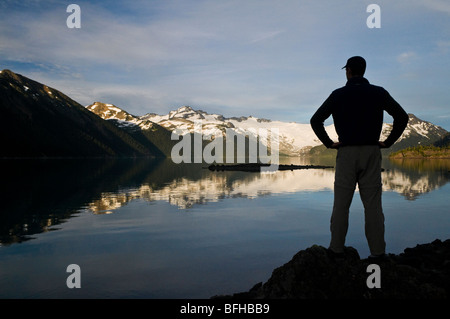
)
(269, 59)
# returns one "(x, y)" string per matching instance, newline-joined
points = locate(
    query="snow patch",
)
(420, 129)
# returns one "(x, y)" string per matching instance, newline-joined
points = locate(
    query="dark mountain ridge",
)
(39, 121)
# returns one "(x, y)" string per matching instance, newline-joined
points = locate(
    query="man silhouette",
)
(357, 111)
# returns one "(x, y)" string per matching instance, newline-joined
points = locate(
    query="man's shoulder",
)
(377, 87)
(351, 88)
(339, 91)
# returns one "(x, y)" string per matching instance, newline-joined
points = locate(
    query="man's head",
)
(356, 66)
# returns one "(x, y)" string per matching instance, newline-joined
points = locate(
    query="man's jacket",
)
(357, 110)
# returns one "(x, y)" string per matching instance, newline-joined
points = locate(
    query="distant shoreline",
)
(422, 152)
(255, 167)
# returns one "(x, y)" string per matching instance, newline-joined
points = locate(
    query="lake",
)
(142, 228)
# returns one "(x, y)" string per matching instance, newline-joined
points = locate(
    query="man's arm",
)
(400, 120)
(317, 121)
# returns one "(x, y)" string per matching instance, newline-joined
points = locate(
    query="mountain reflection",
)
(184, 192)
(414, 177)
(41, 194)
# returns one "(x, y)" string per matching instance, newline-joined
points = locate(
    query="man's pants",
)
(358, 165)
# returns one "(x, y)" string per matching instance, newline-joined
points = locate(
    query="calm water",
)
(153, 229)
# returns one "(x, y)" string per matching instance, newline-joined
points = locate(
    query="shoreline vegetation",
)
(439, 149)
(422, 152)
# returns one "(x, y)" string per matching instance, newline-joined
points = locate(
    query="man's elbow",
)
(404, 120)
(406, 117)
(314, 121)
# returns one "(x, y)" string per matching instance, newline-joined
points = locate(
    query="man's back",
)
(357, 110)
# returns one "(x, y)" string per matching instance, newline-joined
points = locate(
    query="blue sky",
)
(270, 59)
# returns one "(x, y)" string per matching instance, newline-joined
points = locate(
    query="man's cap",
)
(356, 64)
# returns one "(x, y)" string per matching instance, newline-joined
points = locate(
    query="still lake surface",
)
(152, 229)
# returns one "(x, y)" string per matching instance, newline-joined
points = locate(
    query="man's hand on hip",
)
(336, 145)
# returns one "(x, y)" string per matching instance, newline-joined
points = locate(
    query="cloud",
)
(102, 40)
(443, 47)
(406, 57)
(437, 5)
(266, 36)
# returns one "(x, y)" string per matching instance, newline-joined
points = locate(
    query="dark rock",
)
(422, 272)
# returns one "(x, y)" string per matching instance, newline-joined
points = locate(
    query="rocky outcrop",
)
(422, 272)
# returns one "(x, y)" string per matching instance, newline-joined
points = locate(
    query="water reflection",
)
(39, 195)
(415, 177)
(185, 192)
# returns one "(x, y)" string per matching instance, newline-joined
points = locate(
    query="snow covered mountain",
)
(123, 118)
(417, 132)
(294, 138)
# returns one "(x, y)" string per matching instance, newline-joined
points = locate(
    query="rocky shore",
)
(422, 272)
